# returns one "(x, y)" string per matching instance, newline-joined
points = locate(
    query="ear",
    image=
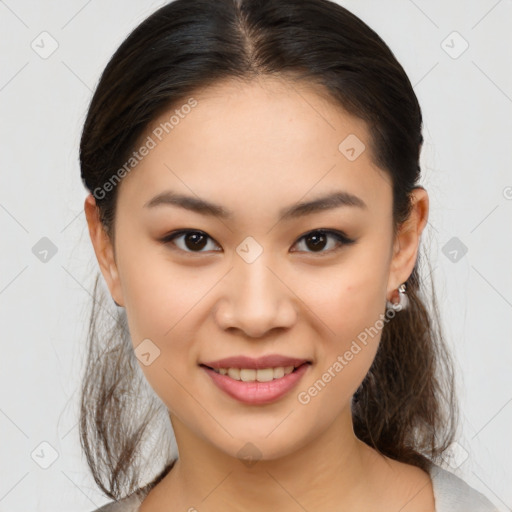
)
(103, 249)
(407, 240)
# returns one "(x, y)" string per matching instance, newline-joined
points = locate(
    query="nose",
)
(255, 299)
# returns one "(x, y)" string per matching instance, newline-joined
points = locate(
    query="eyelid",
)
(169, 238)
(342, 239)
(340, 236)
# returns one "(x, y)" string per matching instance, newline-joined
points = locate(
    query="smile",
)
(257, 386)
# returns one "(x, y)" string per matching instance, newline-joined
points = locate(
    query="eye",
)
(318, 239)
(194, 241)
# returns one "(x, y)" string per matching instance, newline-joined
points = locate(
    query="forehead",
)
(255, 142)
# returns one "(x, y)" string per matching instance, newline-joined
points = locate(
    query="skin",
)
(255, 149)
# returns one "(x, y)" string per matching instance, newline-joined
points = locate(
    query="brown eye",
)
(316, 241)
(195, 241)
(189, 241)
(320, 241)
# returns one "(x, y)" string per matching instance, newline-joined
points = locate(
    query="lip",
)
(257, 393)
(268, 361)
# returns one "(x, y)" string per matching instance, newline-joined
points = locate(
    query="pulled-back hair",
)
(405, 407)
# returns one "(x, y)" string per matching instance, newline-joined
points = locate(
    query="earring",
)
(403, 300)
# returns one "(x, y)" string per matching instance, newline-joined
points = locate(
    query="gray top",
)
(451, 494)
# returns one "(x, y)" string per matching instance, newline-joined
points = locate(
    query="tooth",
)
(278, 372)
(265, 375)
(234, 373)
(259, 375)
(247, 374)
(288, 369)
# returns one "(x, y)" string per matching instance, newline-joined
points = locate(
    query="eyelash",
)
(338, 235)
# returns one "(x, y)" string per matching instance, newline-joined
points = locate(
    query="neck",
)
(334, 468)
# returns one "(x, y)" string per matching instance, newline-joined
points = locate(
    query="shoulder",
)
(452, 494)
(129, 504)
(133, 501)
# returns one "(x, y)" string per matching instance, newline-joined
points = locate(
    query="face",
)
(269, 276)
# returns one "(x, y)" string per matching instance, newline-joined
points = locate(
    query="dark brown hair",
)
(405, 407)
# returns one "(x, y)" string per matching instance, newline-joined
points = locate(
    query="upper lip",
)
(268, 361)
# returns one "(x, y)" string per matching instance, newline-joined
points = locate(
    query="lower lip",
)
(257, 392)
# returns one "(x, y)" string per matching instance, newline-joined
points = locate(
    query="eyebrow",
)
(203, 207)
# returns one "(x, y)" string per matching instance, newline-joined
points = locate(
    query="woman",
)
(256, 213)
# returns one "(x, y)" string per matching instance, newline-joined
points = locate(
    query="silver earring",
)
(403, 300)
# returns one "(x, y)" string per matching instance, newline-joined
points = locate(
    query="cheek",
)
(350, 302)
(350, 297)
(162, 303)
(159, 294)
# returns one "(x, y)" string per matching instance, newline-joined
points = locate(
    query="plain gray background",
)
(466, 97)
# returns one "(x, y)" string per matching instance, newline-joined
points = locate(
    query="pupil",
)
(194, 237)
(318, 241)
